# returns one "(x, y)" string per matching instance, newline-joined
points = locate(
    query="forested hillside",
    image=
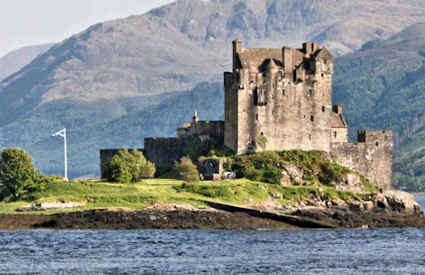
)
(119, 81)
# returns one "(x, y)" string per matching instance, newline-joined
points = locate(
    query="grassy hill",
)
(162, 191)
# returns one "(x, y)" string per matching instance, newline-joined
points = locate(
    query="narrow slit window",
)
(312, 118)
(335, 134)
(256, 116)
(323, 109)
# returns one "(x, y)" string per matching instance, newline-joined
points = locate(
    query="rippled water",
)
(387, 251)
(373, 251)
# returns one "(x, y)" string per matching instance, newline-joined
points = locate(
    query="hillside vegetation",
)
(120, 81)
(383, 86)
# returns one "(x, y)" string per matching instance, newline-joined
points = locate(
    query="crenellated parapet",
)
(283, 95)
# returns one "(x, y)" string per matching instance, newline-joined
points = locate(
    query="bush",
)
(273, 175)
(251, 173)
(186, 170)
(18, 174)
(129, 167)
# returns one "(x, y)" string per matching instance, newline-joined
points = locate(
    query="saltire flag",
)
(61, 133)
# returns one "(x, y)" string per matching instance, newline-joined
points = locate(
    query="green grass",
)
(140, 195)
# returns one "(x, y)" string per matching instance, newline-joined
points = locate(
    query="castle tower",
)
(282, 96)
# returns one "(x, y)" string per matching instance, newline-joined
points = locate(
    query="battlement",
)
(292, 61)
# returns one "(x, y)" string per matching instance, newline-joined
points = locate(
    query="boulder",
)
(294, 173)
(401, 202)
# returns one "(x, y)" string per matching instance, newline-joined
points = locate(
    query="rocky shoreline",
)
(389, 209)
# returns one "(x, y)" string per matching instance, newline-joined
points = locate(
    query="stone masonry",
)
(281, 99)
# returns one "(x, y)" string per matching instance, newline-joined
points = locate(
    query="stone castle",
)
(281, 99)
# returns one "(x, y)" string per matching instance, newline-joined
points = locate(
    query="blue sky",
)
(31, 22)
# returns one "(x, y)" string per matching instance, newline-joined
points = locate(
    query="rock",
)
(295, 174)
(401, 201)
(356, 206)
(275, 195)
(381, 201)
(50, 206)
(351, 183)
(339, 203)
(285, 180)
(368, 205)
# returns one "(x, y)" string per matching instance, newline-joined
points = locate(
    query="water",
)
(421, 200)
(373, 251)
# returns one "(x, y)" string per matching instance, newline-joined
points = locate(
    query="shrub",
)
(272, 175)
(129, 167)
(252, 173)
(18, 174)
(186, 170)
(196, 148)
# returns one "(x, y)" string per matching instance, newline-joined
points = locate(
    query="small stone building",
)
(281, 99)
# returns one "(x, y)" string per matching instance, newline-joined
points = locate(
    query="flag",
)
(60, 133)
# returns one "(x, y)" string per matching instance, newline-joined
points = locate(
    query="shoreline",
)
(212, 219)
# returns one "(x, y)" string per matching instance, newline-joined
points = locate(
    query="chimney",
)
(337, 109)
(237, 47)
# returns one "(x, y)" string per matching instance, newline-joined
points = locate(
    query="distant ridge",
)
(119, 81)
(15, 60)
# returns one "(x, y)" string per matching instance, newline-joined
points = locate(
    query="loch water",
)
(370, 251)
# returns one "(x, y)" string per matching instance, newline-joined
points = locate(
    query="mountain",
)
(15, 60)
(176, 46)
(383, 86)
(119, 81)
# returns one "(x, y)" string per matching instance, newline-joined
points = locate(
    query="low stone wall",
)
(371, 156)
(163, 152)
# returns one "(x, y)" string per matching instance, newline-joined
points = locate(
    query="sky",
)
(33, 22)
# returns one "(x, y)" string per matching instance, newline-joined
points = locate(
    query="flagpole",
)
(65, 156)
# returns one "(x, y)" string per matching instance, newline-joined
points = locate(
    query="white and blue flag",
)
(61, 133)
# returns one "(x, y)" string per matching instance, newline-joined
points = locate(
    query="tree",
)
(129, 167)
(186, 170)
(18, 174)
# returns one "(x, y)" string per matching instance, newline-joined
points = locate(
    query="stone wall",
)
(283, 97)
(212, 130)
(339, 135)
(164, 151)
(371, 156)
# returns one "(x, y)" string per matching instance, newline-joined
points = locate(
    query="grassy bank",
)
(140, 195)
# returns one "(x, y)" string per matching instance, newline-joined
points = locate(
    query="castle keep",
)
(281, 99)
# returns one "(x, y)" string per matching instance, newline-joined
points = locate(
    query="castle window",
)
(256, 116)
(377, 143)
(335, 134)
(312, 118)
(255, 97)
(283, 92)
(323, 109)
(262, 133)
(310, 92)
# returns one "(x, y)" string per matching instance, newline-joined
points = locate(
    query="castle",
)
(281, 99)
